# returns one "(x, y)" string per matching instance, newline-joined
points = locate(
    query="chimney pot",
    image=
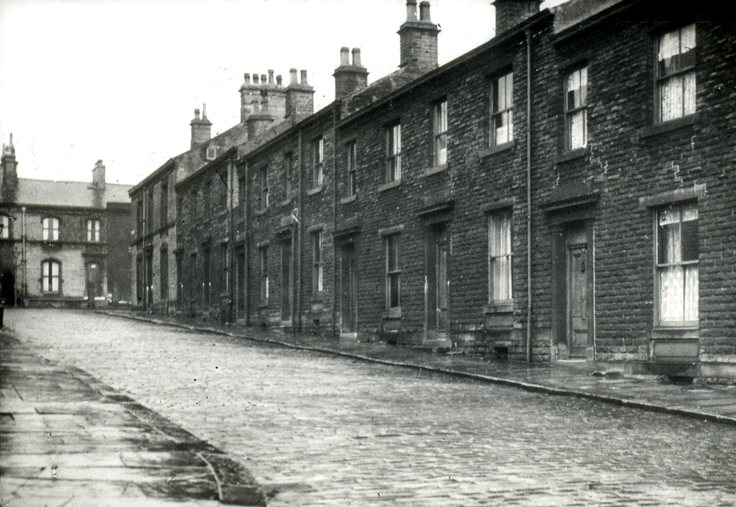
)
(196, 114)
(204, 111)
(270, 76)
(411, 10)
(292, 76)
(424, 11)
(264, 79)
(344, 56)
(279, 80)
(356, 57)
(246, 78)
(255, 79)
(98, 175)
(304, 77)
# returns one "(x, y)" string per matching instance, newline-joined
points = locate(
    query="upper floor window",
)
(576, 112)
(207, 197)
(50, 229)
(139, 218)
(677, 265)
(149, 211)
(352, 170)
(499, 256)
(4, 227)
(676, 73)
(502, 109)
(440, 132)
(164, 204)
(393, 152)
(318, 161)
(241, 195)
(50, 276)
(93, 230)
(393, 271)
(263, 186)
(222, 187)
(287, 175)
(317, 264)
(212, 150)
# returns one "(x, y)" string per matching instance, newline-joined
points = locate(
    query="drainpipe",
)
(300, 215)
(334, 216)
(246, 236)
(231, 240)
(528, 196)
(24, 283)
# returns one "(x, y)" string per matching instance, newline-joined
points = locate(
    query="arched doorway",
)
(94, 283)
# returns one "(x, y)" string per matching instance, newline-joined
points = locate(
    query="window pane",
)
(671, 294)
(691, 293)
(671, 98)
(669, 243)
(502, 128)
(669, 45)
(576, 128)
(690, 240)
(442, 149)
(689, 93)
(501, 278)
(687, 38)
(54, 269)
(393, 290)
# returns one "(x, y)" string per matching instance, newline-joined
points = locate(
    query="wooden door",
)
(437, 282)
(577, 292)
(286, 285)
(349, 289)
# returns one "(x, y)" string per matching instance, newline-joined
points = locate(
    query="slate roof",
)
(68, 194)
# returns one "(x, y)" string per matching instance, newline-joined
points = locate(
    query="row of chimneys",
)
(263, 99)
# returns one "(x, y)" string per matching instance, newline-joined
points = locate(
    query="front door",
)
(349, 287)
(437, 281)
(577, 292)
(286, 286)
(94, 283)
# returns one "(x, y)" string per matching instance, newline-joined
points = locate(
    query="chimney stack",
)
(510, 13)
(98, 175)
(299, 96)
(418, 38)
(9, 172)
(349, 78)
(201, 128)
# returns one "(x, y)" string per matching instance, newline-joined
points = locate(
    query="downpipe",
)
(528, 196)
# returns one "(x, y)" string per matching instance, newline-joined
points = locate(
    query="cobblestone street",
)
(320, 430)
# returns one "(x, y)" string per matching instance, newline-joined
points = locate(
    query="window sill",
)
(499, 307)
(571, 155)
(263, 304)
(347, 200)
(669, 126)
(435, 170)
(260, 212)
(315, 190)
(498, 148)
(286, 201)
(389, 185)
(392, 314)
(679, 332)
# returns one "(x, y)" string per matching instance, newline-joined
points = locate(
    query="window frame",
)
(54, 229)
(263, 194)
(659, 266)
(582, 109)
(287, 175)
(494, 253)
(47, 275)
(678, 74)
(264, 281)
(440, 127)
(392, 242)
(393, 152)
(318, 266)
(318, 162)
(149, 211)
(5, 222)
(351, 172)
(164, 203)
(494, 110)
(94, 234)
(163, 275)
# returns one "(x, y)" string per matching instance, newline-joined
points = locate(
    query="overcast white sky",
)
(118, 80)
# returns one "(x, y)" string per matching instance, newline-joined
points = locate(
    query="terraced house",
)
(62, 243)
(565, 191)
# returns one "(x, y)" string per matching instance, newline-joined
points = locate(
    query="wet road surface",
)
(319, 430)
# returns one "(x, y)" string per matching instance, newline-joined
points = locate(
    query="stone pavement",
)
(570, 378)
(68, 439)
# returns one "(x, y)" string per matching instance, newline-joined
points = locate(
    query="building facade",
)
(564, 191)
(63, 243)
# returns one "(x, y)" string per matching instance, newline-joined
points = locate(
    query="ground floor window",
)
(50, 276)
(677, 265)
(499, 256)
(393, 271)
(263, 262)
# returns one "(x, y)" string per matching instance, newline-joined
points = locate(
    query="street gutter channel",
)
(528, 386)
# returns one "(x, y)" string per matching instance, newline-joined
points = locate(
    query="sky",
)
(118, 80)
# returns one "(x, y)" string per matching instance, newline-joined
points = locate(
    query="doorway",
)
(349, 287)
(93, 282)
(287, 290)
(7, 288)
(437, 297)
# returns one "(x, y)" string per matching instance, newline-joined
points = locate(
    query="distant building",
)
(565, 191)
(63, 243)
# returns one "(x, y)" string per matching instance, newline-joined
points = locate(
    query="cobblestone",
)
(320, 430)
